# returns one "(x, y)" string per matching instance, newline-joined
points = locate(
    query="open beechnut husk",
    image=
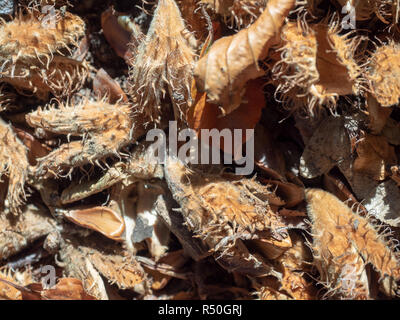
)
(105, 192)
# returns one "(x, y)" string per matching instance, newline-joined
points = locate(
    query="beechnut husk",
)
(308, 89)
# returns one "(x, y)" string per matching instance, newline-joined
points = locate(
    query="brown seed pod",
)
(383, 74)
(39, 60)
(105, 128)
(100, 219)
(13, 165)
(222, 209)
(317, 66)
(163, 61)
(343, 244)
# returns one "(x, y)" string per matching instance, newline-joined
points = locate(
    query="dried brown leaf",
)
(231, 61)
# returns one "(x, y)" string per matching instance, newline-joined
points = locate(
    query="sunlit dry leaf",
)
(205, 115)
(344, 243)
(233, 60)
(293, 285)
(67, 289)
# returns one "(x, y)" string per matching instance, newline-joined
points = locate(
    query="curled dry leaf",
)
(40, 61)
(343, 244)
(13, 165)
(317, 66)
(100, 219)
(162, 62)
(232, 61)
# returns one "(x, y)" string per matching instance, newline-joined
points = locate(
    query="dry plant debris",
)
(83, 195)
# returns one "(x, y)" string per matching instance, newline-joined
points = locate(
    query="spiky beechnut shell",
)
(105, 128)
(343, 244)
(39, 59)
(317, 66)
(383, 74)
(163, 62)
